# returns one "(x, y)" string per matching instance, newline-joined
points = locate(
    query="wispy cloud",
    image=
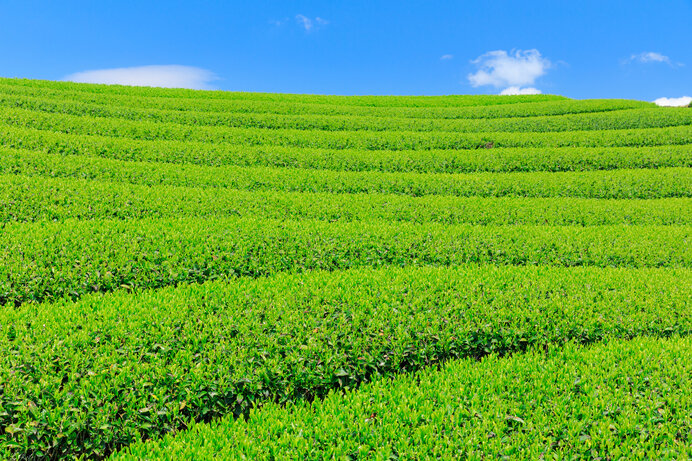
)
(310, 24)
(512, 70)
(515, 90)
(652, 57)
(674, 102)
(446, 57)
(159, 76)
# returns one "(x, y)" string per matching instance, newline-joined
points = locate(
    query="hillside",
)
(244, 274)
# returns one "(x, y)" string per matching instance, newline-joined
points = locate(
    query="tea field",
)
(217, 275)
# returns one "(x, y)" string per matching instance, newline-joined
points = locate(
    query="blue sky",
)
(581, 49)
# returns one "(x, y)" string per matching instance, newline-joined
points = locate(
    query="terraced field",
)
(199, 275)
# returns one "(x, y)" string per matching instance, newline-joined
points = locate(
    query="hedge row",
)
(420, 161)
(617, 184)
(607, 120)
(507, 107)
(621, 400)
(47, 260)
(35, 198)
(366, 140)
(205, 95)
(92, 376)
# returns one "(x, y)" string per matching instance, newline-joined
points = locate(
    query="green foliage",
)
(621, 400)
(421, 161)
(90, 376)
(216, 111)
(208, 97)
(616, 184)
(43, 261)
(568, 116)
(35, 198)
(679, 133)
(174, 257)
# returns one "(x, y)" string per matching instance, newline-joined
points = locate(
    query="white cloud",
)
(446, 57)
(309, 24)
(498, 68)
(674, 102)
(512, 70)
(158, 76)
(514, 90)
(649, 57)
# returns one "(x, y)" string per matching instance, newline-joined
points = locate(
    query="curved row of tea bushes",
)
(506, 107)
(36, 198)
(160, 268)
(620, 400)
(421, 161)
(48, 260)
(215, 108)
(607, 120)
(367, 140)
(92, 376)
(611, 184)
(296, 99)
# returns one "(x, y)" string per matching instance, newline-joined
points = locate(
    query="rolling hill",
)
(200, 274)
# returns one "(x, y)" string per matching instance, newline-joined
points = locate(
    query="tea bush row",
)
(620, 400)
(36, 198)
(297, 99)
(505, 108)
(47, 260)
(616, 184)
(608, 120)
(93, 376)
(388, 140)
(418, 161)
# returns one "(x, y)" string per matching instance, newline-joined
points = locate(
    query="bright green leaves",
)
(170, 257)
(36, 198)
(636, 403)
(110, 370)
(44, 261)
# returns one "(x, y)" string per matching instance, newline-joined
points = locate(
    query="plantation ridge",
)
(192, 274)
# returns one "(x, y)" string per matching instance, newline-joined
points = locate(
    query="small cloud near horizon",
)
(515, 71)
(674, 102)
(652, 57)
(446, 57)
(166, 76)
(309, 24)
(515, 90)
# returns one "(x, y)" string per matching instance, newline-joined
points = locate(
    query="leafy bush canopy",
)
(231, 275)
